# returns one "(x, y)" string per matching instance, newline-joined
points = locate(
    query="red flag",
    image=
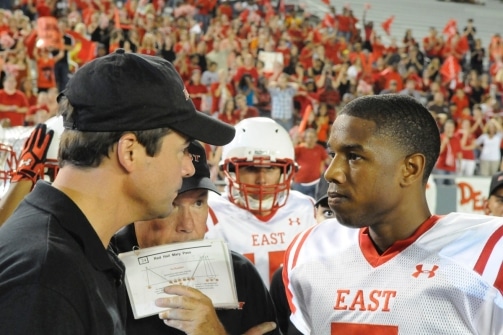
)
(328, 21)
(326, 2)
(463, 45)
(450, 27)
(386, 25)
(450, 69)
(305, 117)
(29, 42)
(84, 50)
(281, 6)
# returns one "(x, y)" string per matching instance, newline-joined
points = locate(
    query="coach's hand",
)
(190, 311)
(261, 329)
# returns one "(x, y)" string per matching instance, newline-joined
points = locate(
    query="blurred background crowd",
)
(241, 59)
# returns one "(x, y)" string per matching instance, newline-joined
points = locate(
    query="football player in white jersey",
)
(386, 265)
(258, 215)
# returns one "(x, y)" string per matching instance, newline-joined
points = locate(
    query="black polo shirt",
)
(55, 275)
(257, 305)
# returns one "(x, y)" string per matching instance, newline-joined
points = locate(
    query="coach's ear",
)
(413, 169)
(128, 151)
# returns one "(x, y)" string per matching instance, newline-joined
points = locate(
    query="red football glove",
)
(31, 161)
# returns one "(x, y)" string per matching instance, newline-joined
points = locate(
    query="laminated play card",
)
(205, 265)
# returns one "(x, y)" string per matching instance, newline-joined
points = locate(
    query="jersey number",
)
(362, 329)
(275, 260)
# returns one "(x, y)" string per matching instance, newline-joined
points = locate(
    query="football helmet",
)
(259, 142)
(8, 157)
(8, 160)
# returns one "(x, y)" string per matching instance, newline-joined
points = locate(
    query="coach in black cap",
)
(123, 154)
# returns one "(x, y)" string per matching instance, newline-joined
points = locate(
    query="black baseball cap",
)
(496, 182)
(129, 92)
(201, 178)
(323, 201)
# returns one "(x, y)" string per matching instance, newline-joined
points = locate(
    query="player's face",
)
(260, 176)
(363, 173)
(159, 178)
(187, 221)
(494, 205)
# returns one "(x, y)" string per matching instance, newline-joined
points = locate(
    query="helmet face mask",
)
(8, 163)
(258, 197)
(260, 144)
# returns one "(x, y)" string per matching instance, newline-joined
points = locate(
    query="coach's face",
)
(363, 174)
(159, 178)
(187, 221)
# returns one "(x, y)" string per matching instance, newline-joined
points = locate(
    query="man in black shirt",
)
(128, 119)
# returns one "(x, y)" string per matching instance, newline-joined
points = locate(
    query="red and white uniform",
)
(445, 279)
(262, 242)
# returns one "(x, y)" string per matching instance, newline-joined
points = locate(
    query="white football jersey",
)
(262, 242)
(445, 279)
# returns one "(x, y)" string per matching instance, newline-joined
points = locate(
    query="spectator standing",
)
(469, 31)
(243, 110)
(468, 145)
(477, 56)
(461, 101)
(103, 32)
(61, 67)
(13, 103)
(489, 143)
(311, 159)
(221, 91)
(282, 94)
(210, 76)
(46, 62)
(450, 154)
(197, 90)
(439, 106)
(228, 113)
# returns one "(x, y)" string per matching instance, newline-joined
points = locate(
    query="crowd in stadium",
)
(251, 58)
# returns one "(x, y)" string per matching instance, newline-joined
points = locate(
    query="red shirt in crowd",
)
(310, 161)
(16, 100)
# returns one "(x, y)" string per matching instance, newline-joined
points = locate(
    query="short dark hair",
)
(404, 120)
(87, 149)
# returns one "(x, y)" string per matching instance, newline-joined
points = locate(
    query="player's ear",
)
(127, 151)
(487, 210)
(413, 169)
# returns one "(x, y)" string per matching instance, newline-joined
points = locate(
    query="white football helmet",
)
(259, 142)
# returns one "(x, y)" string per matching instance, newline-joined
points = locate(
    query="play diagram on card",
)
(203, 265)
